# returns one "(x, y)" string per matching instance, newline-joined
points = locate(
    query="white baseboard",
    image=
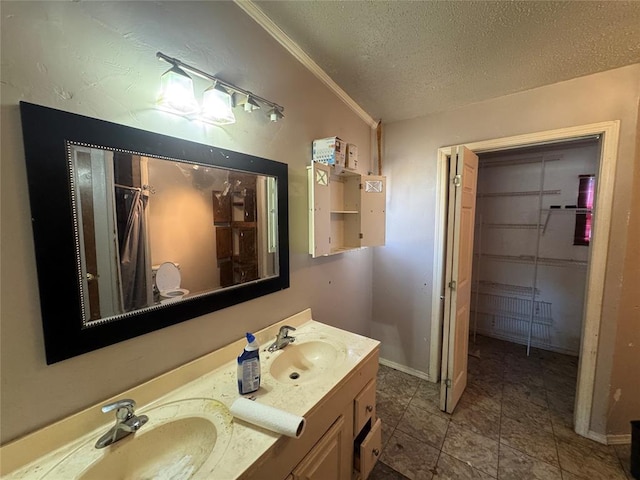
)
(609, 439)
(405, 369)
(619, 439)
(597, 437)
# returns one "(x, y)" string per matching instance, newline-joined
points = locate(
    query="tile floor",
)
(513, 422)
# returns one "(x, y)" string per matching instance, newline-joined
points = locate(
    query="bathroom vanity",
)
(326, 375)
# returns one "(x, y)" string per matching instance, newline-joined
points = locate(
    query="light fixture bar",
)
(229, 86)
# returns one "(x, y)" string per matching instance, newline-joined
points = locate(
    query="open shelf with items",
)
(346, 210)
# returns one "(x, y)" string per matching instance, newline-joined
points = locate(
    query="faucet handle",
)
(127, 403)
(284, 330)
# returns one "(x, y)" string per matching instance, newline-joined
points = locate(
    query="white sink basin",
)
(180, 439)
(307, 361)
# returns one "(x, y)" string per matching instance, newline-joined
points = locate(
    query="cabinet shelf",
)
(527, 193)
(530, 259)
(531, 226)
(485, 286)
(568, 210)
(549, 211)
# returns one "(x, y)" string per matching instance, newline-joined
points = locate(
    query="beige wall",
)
(98, 59)
(403, 269)
(624, 390)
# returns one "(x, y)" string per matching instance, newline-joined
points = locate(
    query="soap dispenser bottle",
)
(249, 367)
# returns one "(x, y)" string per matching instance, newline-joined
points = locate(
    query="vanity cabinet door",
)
(327, 460)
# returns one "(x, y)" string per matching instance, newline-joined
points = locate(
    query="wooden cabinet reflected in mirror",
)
(237, 229)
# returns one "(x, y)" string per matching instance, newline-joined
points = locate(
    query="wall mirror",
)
(135, 231)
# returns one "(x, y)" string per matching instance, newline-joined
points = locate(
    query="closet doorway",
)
(495, 293)
(534, 213)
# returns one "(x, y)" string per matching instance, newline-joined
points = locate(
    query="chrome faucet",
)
(127, 422)
(282, 339)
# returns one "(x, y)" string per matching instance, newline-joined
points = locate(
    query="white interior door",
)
(463, 175)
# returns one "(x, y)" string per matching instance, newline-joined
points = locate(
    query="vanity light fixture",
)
(176, 92)
(275, 114)
(217, 101)
(249, 104)
(217, 106)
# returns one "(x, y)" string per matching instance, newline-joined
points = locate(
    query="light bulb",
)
(176, 92)
(216, 106)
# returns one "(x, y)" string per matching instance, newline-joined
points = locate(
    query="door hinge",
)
(360, 186)
(447, 383)
(361, 236)
(457, 180)
(453, 284)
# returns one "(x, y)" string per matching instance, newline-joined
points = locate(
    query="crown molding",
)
(276, 32)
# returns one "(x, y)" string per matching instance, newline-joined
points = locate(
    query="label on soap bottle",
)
(249, 376)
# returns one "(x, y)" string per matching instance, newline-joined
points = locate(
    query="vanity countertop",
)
(210, 377)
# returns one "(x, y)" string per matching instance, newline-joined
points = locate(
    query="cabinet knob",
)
(376, 452)
(369, 408)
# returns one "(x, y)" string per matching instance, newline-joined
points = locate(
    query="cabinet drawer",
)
(369, 450)
(364, 407)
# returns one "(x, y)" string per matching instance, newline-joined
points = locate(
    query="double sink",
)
(187, 437)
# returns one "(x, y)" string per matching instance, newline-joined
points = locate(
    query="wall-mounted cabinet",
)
(346, 210)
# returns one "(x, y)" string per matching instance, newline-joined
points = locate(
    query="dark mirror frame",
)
(46, 134)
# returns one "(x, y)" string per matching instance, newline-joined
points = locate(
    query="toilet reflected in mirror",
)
(166, 282)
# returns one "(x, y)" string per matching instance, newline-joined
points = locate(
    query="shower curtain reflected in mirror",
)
(134, 264)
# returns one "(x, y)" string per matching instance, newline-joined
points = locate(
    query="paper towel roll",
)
(268, 417)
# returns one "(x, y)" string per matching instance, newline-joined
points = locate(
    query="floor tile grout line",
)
(500, 427)
(555, 441)
(440, 451)
(395, 427)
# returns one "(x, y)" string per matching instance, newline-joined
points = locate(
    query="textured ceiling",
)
(401, 60)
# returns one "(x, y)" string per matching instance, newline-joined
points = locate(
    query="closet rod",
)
(145, 188)
(127, 187)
